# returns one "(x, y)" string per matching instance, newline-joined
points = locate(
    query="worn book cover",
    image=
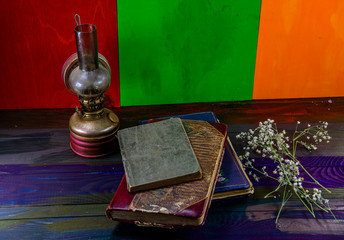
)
(232, 181)
(156, 155)
(183, 204)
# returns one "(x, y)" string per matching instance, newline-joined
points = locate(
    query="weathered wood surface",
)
(47, 192)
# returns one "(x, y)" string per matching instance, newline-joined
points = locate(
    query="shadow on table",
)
(131, 231)
(215, 225)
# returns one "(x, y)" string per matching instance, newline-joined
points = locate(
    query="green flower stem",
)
(284, 201)
(295, 160)
(275, 190)
(314, 179)
(257, 170)
(311, 211)
(333, 215)
(315, 203)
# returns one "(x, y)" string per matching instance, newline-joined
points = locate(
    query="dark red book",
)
(179, 205)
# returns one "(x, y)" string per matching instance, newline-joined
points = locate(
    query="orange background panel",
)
(300, 49)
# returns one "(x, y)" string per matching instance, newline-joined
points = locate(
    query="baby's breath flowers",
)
(266, 141)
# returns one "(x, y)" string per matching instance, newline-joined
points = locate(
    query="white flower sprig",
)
(268, 142)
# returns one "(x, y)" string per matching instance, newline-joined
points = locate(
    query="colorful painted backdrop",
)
(176, 51)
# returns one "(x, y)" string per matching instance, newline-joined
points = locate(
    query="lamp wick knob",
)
(77, 19)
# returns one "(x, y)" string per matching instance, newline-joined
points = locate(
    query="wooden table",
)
(47, 192)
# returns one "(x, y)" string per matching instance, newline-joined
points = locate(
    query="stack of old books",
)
(172, 168)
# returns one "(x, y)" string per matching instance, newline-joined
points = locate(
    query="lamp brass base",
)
(93, 134)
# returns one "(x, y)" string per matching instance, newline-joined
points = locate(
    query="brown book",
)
(157, 154)
(183, 204)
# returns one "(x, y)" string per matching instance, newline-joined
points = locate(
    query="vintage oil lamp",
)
(87, 74)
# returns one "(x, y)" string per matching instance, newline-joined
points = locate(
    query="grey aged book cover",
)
(157, 154)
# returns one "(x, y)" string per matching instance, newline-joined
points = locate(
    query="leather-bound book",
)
(180, 205)
(232, 181)
(156, 155)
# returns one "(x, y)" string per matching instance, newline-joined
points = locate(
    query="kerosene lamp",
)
(87, 74)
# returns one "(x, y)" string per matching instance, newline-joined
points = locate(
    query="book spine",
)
(251, 189)
(127, 168)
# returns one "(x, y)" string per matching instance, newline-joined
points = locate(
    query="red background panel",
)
(36, 39)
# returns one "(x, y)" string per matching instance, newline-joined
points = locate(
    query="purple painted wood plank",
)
(59, 168)
(221, 223)
(43, 147)
(50, 188)
(331, 176)
(314, 161)
(58, 188)
(256, 206)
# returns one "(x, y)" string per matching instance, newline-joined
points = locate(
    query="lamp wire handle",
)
(76, 18)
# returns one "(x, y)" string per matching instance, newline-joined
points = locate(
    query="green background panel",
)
(184, 51)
